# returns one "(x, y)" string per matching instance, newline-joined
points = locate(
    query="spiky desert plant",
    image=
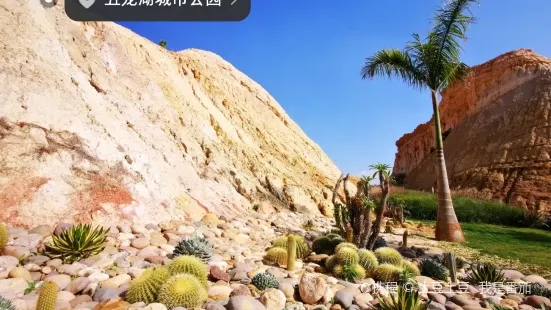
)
(405, 238)
(3, 236)
(332, 236)
(337, 270)
(5, 304)
(537, 289)
(433, 269)
(330, 262)
(388, 255)
(411, 267)
(47, 297)
(450, 262)
(189, 264)
(346, 245)
(277, 255)
(264, 280)
(183, 290)
(322, 245)
(353, 272)
(291, 252)
(486, 273)
(380, 242)
(76, 243)
(387, 273)
(195, 246)
(405, 299)
(368, 260)
(303, 249)
(347, 256)
(146, 287)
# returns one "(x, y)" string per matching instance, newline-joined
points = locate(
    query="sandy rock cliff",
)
(499, 142)
(98, 123)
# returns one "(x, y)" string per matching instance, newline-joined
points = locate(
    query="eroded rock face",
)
(98, 123)
(500, 138)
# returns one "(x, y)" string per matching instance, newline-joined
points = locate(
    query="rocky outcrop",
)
(498, 133)
(98, 123)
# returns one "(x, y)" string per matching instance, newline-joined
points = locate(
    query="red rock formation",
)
(500, 133)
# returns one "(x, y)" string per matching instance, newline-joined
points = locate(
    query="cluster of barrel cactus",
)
(326, 244)
(286, 250)
(384, 264)
(181, 284)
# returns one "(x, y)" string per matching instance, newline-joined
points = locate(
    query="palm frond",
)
(451, 23)
(453, 73)
(393, 62)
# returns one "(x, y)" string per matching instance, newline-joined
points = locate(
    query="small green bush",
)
(423, 206)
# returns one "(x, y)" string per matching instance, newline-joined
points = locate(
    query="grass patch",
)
(523, 249)
(421, 205)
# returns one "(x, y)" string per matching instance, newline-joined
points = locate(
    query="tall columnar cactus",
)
(3, 236)
(291, 252)
(405, 238)
(303, 249)
(47, 297)
(183, 290)
(146, 287)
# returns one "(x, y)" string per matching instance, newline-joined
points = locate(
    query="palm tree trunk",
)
(447, 225)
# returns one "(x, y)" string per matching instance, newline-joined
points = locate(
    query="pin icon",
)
(87, 3)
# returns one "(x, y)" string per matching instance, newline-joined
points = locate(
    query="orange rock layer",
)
(499, 139)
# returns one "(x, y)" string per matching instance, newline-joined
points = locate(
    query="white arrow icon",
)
(87, 3)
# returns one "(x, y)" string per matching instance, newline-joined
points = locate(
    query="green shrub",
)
(76, 243)
(195, 246)
(423, 206)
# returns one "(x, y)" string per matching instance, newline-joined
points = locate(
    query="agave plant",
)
(195, 246)
(405, 299)
(485, 274)
(78, 242)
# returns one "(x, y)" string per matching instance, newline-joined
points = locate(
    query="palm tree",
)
(434, 64)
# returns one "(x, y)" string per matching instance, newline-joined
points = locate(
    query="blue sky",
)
(308, 55)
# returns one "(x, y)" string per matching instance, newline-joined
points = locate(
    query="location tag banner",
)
(157, 10)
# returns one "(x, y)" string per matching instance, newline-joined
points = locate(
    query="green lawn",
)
(528, 245)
